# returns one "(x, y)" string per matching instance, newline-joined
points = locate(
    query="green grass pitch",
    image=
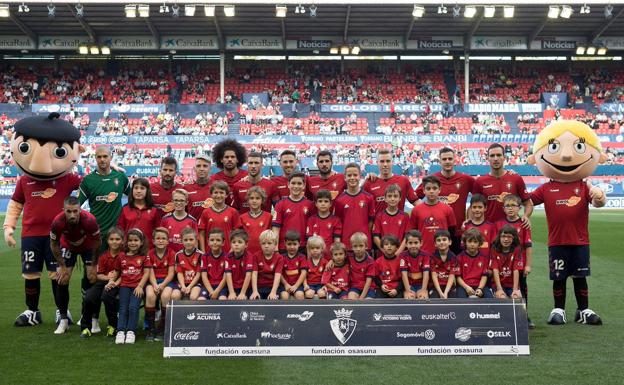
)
(572, 354)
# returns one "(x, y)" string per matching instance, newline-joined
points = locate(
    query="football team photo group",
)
(311, 191)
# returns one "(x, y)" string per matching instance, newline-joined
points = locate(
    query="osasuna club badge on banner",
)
(343, 326)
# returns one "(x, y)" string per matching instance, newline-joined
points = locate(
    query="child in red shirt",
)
(267, 268)
(238, 266)
(134, 267)
(316, 266)
(295, 268)
(106, 288)
(162, 273)
(213, 268)
(336, 278)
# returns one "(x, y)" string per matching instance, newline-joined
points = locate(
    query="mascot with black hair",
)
(45, 149)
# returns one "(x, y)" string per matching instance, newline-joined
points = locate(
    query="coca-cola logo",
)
(186, 336)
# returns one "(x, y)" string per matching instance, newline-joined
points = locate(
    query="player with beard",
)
(327, 179)
(73, 231)
(454, 189)
(199, 191)
(288, 163)
(229, 156)
(254, 178)
(376, 185)
(164, 188)
(498, 183)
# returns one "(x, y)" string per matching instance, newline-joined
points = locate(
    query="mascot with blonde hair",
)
(567, 152)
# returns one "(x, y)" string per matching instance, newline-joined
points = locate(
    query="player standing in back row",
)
(376, 185)
(498, 183)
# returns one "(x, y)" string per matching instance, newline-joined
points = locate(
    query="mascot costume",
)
(567, 152)
(45, 149)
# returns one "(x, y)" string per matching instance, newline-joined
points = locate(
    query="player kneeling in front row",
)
(73, 231)
(106, 288)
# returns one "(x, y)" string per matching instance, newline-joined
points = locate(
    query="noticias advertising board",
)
(340, 328)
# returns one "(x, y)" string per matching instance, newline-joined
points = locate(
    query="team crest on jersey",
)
(577, 191)
(343, 326)
(508, 185)
(305, 210)
(361, 203)
(116, 181)
(458, 185)
(226, 219)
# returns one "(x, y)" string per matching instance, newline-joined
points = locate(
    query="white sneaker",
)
(95, 326)
(62, 327)
(57, 317)
(120, 338)
(130, 337)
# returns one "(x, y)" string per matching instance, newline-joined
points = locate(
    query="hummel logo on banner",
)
(343, 326)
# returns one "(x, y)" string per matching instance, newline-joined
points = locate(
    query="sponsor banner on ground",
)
(505, 107)
(399, 107)
(254, 42)
(498, 42)
(378, 327)
(131, 43)
(195, 42)
(99, 108)
(17, 42)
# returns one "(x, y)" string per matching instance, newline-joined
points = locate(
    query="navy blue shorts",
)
(316, 288)
(71, 257)
(264, 292)
(568, 261)
(174, 285)
(372, 293)
(415, 288)
(35, 252)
